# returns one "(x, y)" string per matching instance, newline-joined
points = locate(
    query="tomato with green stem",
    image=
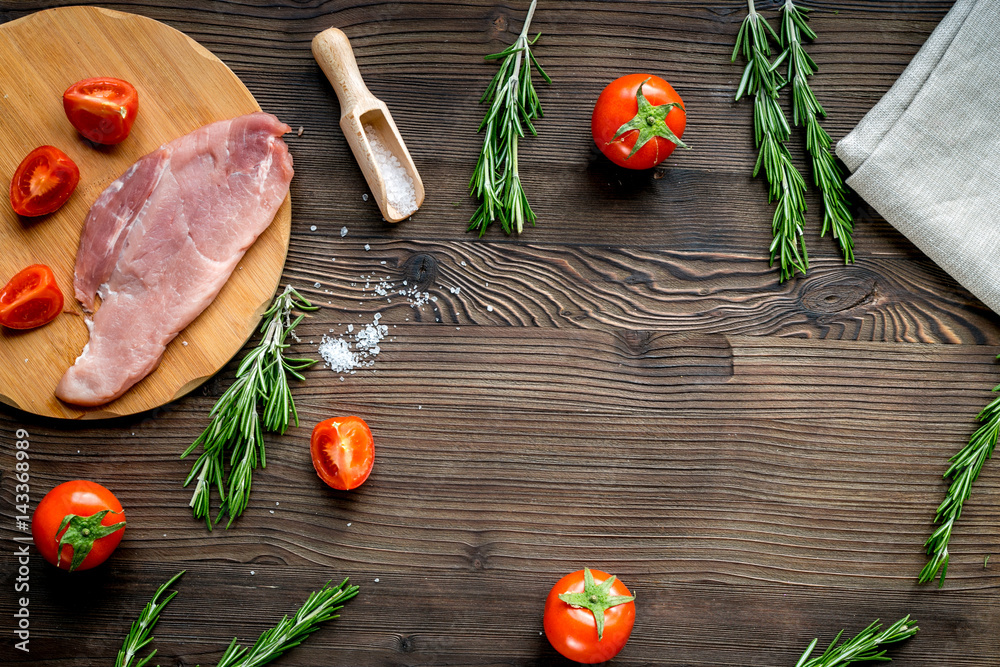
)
(343, 452)
(78, 525)
(589, 616)
(638, 121)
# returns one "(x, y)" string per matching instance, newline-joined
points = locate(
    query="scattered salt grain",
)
(343, 232)
(184, 343)
(399, 188)
(301, 130)
(455, 290)
(252, 572)
(348, 525)
(271, 511)
(364, 197)
(367, 247)
(338, 352)
(25, 361)
(312, 228)
(376, 580)
(277, 503)
(463, 263)
(489, 309)
(317, 285)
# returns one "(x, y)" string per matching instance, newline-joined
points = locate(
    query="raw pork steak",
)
(160, 242)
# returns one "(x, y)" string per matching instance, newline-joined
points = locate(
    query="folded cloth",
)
(927, 156)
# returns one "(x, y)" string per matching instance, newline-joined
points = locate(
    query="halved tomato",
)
(102, 109)
(31, 298)
(343, 452)
(43, 181)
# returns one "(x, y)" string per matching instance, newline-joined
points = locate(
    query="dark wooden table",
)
(625, 386)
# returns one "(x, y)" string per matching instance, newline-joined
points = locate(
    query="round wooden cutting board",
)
(181, 87)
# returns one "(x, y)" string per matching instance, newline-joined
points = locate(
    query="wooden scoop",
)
(358, 108)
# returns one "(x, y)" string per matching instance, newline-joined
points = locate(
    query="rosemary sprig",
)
(141, 632)
(864, 646)
(964, 470)
(513, 105)
(771, 131)
(806, 110)
(237, 427)
(321, 606)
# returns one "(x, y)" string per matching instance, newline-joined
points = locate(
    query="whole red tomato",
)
(638, 121)
(77, 525)
(102, 109)
(589, 616)
(343, 452)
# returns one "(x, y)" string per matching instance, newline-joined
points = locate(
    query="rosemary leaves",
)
(963, 472)
(771, 133)
(513, 104)
(806, 111)
(320, 607)
(866, 645)
(236, 431)
(141, 632)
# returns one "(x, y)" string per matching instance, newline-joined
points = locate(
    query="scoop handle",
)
(333, 52)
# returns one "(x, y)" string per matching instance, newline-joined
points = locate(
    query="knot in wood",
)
(637, 341)
(478, 559)
(406, 643)
(829, 295)
(421, 270)
(498, 25)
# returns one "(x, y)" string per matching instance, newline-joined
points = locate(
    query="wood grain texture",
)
(626, 386)
(181, 87)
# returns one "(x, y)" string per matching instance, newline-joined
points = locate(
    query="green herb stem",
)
(237, 424)
(141, 632)
(866, 645)
(806, 111)
(963, 472)
(321, 606)
(513, 104)
(771, 132)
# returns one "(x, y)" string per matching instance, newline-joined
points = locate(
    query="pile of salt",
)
(399, 188)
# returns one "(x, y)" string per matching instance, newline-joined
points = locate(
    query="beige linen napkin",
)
(927, 156)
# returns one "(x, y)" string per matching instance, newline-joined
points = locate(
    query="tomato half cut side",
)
(31, 298)
(343, 452)
(43, 182)
(102, 109)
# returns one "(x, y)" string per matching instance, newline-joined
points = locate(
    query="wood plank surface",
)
(626, 386)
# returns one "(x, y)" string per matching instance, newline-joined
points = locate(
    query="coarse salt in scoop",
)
(370, 130)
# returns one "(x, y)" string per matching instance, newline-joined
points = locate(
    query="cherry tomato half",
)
(343, 452)
(659, 122)
(88, 538)
(102, 109)
(30, 299)
(43, 181)
(572, 629)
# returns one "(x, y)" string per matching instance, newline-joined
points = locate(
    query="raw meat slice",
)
(161, 241)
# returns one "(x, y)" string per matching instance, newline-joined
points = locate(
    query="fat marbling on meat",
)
(161, 241)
